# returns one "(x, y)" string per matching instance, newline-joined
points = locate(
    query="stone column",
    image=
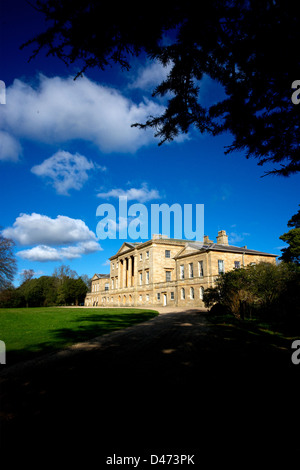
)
(135, 295)
(119, 275)
(129, 273)
(135, 271)
(132, 270)
(124, 272)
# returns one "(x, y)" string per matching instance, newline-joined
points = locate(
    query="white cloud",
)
(32, 229)
(151, 76)
(54, 239)
(10, 148)
(40, 253)
(65, 170)
(83, 248)
(234, 237)
(142, 194)
(44, 253)
(59, 110)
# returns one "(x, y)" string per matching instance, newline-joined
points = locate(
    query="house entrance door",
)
(165, 299)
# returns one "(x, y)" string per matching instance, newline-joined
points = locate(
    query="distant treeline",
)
(64, 287)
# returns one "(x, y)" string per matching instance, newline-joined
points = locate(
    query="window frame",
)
(221, 263)
(192, 293)
(201, 292)
(181, 271)
(200, 268)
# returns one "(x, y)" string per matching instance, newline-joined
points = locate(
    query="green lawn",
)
(29, 332)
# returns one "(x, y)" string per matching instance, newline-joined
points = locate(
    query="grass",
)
(30, 332)
(257, 326)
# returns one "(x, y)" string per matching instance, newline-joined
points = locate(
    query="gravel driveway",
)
(177, 381)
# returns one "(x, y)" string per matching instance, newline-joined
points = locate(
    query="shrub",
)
(263, 290)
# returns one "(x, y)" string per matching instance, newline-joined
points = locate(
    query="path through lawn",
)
(35, 331)
(181, 383)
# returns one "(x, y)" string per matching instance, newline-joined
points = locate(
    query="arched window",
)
(201, 292)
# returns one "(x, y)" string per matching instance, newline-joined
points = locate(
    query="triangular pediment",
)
(95, 277)
(189, 249)
(125, 247)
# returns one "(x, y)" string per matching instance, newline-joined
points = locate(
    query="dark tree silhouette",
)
(292, 252)
(8, 265)
(249, 47)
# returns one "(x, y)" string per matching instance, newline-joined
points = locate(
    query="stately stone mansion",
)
(165, 271)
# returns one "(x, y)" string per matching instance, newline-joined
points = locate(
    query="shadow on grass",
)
(250, 345)
(83, 328)
(98, 325)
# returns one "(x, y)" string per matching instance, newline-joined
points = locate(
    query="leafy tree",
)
(33, 293)
(87, 280)
(66, 289)
(264, 289)
(39, 292)
(49, 286)
(245, 46)
(8, 264)
(292, 237)
(265, 282)
(231, 291)
(81, 291)
(46, 290)
(72, 291)
(11, 298)
(288, 300)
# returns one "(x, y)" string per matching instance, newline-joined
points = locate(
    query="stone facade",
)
(99, 289)
(164, 271)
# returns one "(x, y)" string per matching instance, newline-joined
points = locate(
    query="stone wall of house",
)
(99, 287)
(166, 272)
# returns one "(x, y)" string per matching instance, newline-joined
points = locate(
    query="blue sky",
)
(67, 146)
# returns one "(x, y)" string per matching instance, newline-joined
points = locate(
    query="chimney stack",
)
(159, 236)
(222, 238)
(206, 239)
